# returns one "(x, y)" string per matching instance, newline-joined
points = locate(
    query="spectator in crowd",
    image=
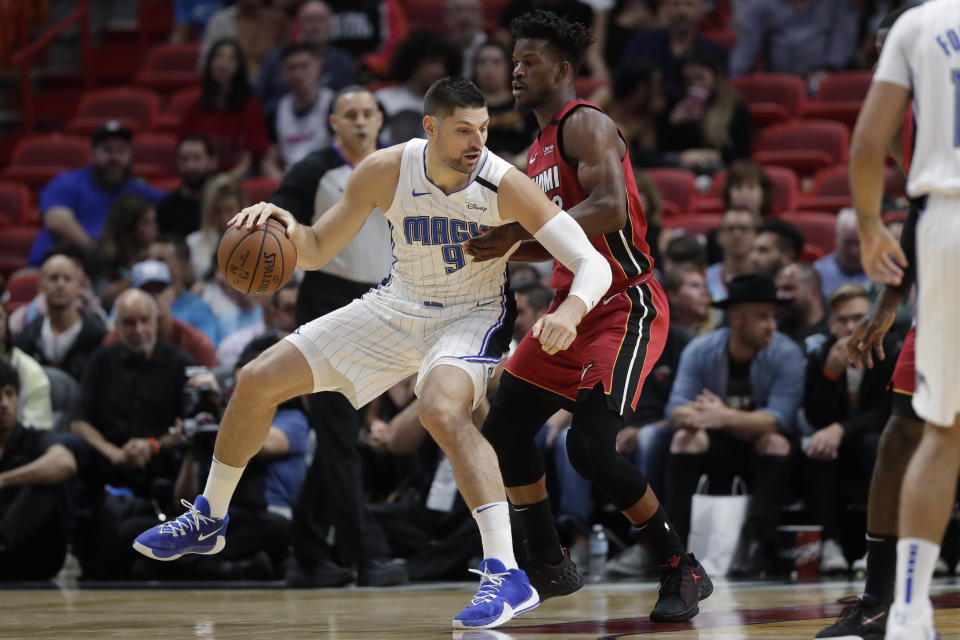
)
(132, 394)
(777, 244)
(33, 469)
(153, 277)
(35, 408)
(256, 27)
(186, 306)
(533, 300)
(651, 202)
(748, 187)
(733, 405)
(190, 18)
(227, 112)
(509, 133)
(738, 228)
(636, 104)
(684, 249)
(847, 407)
(278, 318)
(419, 61)
(222, 199)
(843, 265)
(312, 27)
(66, 335)
(464, 21)
(130, 229)
(667, 46)
(179, 212)
(810, 39)
(74, 204)
(709, 126)
(686, 289)
(625, 19)
(802, 317)
(369, 30)
(299, 124)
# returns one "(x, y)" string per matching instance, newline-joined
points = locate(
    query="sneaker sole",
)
(147, 551)
(506, 615)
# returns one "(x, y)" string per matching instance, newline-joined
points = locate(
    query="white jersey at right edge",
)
(922, 54)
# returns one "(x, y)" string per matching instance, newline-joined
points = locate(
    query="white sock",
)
(493, 519)
(221, 484)
(916, 560)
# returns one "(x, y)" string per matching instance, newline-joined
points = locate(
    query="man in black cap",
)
(75, 203)
(733, 405)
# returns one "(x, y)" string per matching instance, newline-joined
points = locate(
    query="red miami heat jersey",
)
(626, 250)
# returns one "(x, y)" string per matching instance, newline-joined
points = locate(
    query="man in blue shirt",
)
(733, 404)
(75, 203)
(843, 265)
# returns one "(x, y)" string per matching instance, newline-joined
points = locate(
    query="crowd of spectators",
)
(113, 377)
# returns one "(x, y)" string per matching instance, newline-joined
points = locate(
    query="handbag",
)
(715, 525)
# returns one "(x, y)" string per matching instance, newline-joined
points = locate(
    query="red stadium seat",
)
(786, 189)
(16, 204)
(771, 97)
(804, 145)
(136, 109)
(726, 38)
(180, 101)
(15, 245)
(23, 287)
(166, 185)
(169, 67)
(586, 86)
(819, 229)
(840, 97)
(154, 155)
(830, 190)
(426, 14)
(259, 189)
(696, 224)
(37, 159)
(675, 185)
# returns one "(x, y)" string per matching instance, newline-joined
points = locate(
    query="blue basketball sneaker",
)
(196, 531)
(502, 595)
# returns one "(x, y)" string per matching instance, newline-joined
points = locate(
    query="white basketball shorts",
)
(937, 397)
(384, 338)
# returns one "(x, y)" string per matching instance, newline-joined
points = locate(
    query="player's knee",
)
(253, 380)
(689, 442)
(578, 456)
(772, 444)
(899, 439)
(442, 416)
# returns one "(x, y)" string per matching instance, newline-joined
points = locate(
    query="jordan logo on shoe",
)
(674, 561)
(696, 578)
(204, 537)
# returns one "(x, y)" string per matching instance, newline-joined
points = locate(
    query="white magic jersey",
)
(429, 228)
(922, 53)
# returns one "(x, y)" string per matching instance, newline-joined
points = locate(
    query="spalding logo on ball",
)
(257, 261)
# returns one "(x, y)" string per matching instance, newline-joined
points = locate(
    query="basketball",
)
(257, 261)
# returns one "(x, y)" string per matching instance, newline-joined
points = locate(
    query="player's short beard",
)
(457, 164)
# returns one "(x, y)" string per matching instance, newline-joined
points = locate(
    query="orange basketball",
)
(257, 261)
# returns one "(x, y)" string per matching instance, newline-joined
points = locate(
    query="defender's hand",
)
(881, 255)
(494, 243)
(258, 214)
(558, 330)
(867, 339)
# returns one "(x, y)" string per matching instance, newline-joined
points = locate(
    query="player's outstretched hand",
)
(256, 216)
(867, 338)
(881, 255)
(493, 243)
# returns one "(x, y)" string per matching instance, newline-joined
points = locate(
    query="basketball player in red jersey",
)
(580, 161)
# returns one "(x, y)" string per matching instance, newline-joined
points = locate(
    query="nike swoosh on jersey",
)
(417, 195)
(605, 302)
(209, 534)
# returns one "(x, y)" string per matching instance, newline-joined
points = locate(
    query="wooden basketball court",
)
(603, 612)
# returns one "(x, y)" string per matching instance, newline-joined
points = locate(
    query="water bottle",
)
(598, 554)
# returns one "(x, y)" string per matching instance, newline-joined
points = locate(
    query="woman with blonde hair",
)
(710, 126)
(222, 199)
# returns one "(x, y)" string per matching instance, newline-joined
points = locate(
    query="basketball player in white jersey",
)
(439, 315)
(920, 61)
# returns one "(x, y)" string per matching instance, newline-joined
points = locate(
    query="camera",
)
(201, 406)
